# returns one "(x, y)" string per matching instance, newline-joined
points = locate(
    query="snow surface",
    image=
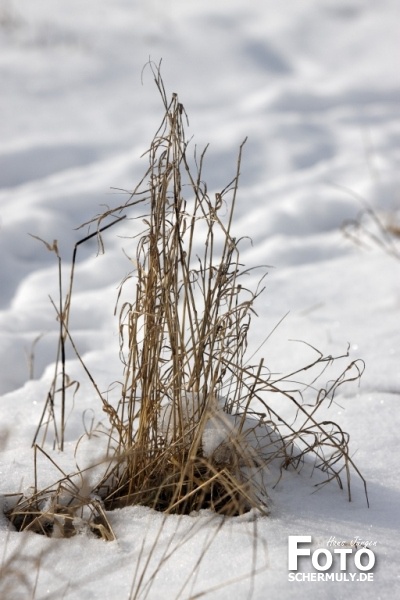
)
(315, 87)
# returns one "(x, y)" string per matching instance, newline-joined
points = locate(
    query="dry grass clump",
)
(195, 425)
(183, 331)
(60, 512)
(371, 229)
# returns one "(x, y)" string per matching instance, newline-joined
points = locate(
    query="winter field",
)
(314, 87)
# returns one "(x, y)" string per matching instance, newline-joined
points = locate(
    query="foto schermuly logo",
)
(354, 559)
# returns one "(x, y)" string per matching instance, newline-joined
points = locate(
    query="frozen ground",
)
(314, 85)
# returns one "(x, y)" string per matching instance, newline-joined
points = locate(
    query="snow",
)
(314, 86)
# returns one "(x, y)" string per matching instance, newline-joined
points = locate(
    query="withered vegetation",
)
(196, 424)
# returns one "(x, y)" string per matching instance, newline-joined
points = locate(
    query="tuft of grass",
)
(374, 229)
(183, 338)
(197, 424)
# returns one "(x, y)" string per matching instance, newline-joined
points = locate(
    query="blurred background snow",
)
(314, 87)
